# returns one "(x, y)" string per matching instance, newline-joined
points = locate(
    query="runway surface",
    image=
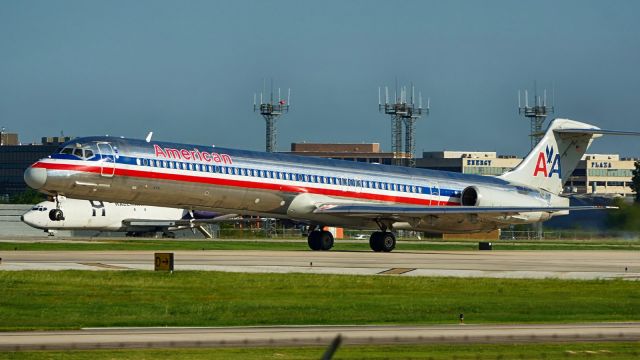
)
(314, 335)
(496, 264)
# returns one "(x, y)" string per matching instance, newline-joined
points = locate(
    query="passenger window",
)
(67, 151)
(77, 152)
(88, 154)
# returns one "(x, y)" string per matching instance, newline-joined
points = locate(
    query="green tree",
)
(635, 181)
(28, 196)
(626, 218)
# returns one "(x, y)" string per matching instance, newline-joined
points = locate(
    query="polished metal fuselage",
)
(267, 185)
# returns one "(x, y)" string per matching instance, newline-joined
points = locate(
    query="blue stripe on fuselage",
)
(144, 150)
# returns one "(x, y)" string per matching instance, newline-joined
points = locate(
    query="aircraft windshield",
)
(78, 151)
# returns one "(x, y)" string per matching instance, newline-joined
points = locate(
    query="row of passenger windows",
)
(282, 175)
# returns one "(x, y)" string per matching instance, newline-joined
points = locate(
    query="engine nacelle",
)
(516, 196)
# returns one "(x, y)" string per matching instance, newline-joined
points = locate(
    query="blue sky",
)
(188, 69)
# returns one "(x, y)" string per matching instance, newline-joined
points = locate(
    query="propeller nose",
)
(35, 177)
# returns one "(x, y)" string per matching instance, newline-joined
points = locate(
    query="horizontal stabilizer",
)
(384, 209)
(596, 131)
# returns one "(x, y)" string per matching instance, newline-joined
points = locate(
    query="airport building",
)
(16, 158)
(468, 162)
(365, 152)
(604, 174)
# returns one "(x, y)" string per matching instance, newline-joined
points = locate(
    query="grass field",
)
(592, 351)
(75, 299)
(152, 244)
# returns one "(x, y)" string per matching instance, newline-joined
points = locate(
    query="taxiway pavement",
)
(314, 335)
(496, 264)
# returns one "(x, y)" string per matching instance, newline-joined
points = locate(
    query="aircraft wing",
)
(181, 222)
(395, 211)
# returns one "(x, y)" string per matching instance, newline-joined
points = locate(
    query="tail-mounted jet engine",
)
(517, 196)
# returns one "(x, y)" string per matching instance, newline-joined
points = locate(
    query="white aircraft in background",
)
(318, 192)
(136, 220)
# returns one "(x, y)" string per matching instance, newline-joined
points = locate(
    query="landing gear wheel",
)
(382, 241)
(388, 242)
(56, 215)
(320, 240)
(326, 240)
(314, 240)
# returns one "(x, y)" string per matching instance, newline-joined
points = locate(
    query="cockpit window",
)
(76, 151)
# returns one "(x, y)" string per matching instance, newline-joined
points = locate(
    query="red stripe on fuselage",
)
(243, 184)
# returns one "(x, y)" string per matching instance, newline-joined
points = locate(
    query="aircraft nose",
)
(35, 177)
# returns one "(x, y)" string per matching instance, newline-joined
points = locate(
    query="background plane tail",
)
(551, 162)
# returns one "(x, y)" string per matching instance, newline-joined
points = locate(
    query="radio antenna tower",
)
(271, 109)
(537, 113)
(403, 110)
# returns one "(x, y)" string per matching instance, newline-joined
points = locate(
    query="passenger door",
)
(108, 160)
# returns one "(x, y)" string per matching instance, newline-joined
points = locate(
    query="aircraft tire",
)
(326, 240)
(314, 240)
(382, 241)
(375, 241)
(388, 241)
(56, 215)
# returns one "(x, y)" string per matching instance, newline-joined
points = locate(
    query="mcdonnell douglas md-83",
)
(319, 192)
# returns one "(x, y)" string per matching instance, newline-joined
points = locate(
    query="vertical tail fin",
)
(551, 162)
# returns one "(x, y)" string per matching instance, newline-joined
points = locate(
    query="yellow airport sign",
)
(163, 262)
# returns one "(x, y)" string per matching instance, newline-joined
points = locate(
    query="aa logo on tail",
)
(544, 159)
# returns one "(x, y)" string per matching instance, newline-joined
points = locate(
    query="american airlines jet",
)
(320, 192)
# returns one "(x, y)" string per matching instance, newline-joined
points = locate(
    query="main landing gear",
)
(56, 214)
(320, 240)
(382, 241)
